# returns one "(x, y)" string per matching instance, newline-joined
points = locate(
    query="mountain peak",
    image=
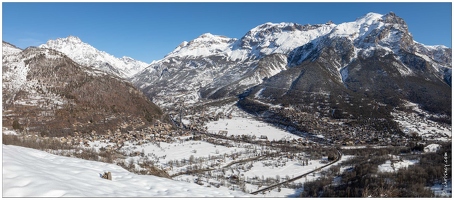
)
(269, 27)
(374, 28)
(369, 18)
(204, 45)
(70, 41)
(73, 39)
(87, 55)
(206, 35)
(393, 18)
(210, 37)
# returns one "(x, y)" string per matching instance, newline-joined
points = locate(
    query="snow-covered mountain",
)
(212, 66)
(260, 41)
(373, 32)
(369, 60)
(357, 64)
(33, 173)
(44, 86)
(87, 55)
(350, 45)
(374, 56)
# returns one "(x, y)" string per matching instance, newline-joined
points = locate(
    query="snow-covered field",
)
(183, 150)
(291, 168)
(162, 153)
(33, 173)
(286, 192)
(395, 164)
(249, 126)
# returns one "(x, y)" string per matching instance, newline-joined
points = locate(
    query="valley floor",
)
(235, 157)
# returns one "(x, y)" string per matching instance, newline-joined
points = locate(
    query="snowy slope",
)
(9, 49)
(281, 38)
(213, 66)
(205, 45)
(15, 71)
(38, 82)
(262, 40)
(349, 45)
(86, 54)
(15, 78)
(32, 173)
(374, 34)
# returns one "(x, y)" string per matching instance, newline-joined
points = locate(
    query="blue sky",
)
(148, 31)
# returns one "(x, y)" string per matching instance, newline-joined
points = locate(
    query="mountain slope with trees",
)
(47, 93)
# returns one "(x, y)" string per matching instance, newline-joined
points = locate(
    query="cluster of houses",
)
(421, 125)
(192, 122)
(344, 131)
(159, 132)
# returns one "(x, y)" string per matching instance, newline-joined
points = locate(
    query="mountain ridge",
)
(291, 39)
(87, 55)
(44, 86)
(276, 62)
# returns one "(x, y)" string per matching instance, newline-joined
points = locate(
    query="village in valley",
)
(224, 146)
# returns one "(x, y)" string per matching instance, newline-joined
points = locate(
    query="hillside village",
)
(190, 124)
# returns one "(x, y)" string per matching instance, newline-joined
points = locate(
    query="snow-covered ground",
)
(183, 150)
(432, 148)
(9, 132)
(249, 126)
(395, 164)
(291, 168)
(286, 192)
(162, 152)
(412, 122)
(33, 173)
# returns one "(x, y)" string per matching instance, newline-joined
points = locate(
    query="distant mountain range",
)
(370, 61)
(87, 55)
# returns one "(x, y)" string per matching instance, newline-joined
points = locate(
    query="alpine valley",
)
(247, 114)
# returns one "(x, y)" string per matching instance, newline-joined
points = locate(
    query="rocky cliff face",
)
(372, 60)
(213, 67)
(374, 57)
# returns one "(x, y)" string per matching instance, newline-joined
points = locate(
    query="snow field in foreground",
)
(33, 173)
